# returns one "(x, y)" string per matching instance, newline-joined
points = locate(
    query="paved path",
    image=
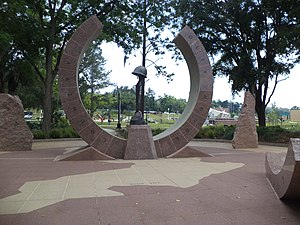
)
(228, 188)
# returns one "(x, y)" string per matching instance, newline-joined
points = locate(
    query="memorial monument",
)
(140, 144)
(103, 145)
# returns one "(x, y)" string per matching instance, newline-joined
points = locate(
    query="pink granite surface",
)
(245, 135)
(140, 144)
(283, 171)
(240, 196)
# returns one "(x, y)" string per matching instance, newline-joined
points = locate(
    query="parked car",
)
(27, 115)
(150, 120)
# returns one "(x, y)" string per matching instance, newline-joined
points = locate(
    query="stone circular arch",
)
(200, 96)
(167, 142)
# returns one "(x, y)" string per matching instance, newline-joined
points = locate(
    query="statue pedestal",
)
(140, 144)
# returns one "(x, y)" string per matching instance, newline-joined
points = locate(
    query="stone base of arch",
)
(187, 152)
(85, 153)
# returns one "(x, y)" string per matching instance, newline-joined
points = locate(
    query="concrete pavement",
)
(228, 188)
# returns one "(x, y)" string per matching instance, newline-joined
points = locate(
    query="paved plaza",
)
(229, 188)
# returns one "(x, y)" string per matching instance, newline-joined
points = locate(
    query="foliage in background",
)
(253, 42)
(216, 132)
(276, 134)
(92, 76)
(272, 134)
(36, 32)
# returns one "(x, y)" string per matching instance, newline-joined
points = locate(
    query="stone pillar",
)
(140, 144)
(14, 132)
(245, 135)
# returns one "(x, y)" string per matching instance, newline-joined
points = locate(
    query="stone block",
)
(283, 173)
(245, 135)
(92, 25)
(117, 148)
(158, 149)
(90, 133)
(67, 78)
(203, 103)
(74, 49)
(188, 130)
(178, 139)
(81, 121)
(72, 109)
(69, 94)
(140, 144)
(206, 84)
(197, 48)
(206, 71)
(102, 141)
(196, 120)
(68, 62)
(166, 146)
(188, 35)
(202, 58)
(14, 132)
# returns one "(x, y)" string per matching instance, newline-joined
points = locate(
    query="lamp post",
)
(119, 109)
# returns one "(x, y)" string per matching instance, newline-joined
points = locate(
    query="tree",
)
(253, 42)
(127, 98)
(169, 103)
(38, 31)
(150, 19)
(273, 114)
(150, 100)
(93, 74)
(13, 67)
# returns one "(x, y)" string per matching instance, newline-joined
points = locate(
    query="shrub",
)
(67, 132)
(214, 132)
(34, 125)
(56, 133)
(38, 134)
(276, 134)
(229, 132)
(157, 131)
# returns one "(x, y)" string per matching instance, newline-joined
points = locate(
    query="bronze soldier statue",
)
(138, 118)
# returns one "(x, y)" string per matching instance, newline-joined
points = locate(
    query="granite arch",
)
(166, 143)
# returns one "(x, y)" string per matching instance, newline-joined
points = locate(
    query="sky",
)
(287, 93)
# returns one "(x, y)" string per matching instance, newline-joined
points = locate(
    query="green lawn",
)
(155, 121)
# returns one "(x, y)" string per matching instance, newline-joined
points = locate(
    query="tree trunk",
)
(2, 86)
(92, 103)
(48, 92)
(260, 110)
(47, 106)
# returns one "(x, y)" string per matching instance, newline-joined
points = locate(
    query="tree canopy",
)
(36, 32)
(253, 43)
(92, 75)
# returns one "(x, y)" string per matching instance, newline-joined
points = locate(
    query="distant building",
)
(284, 116)
(220, 116)
(215, 113)
(295, 114)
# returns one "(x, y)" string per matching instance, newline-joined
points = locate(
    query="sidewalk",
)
(228, 188)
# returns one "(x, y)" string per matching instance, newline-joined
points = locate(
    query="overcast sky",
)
(287, 93)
